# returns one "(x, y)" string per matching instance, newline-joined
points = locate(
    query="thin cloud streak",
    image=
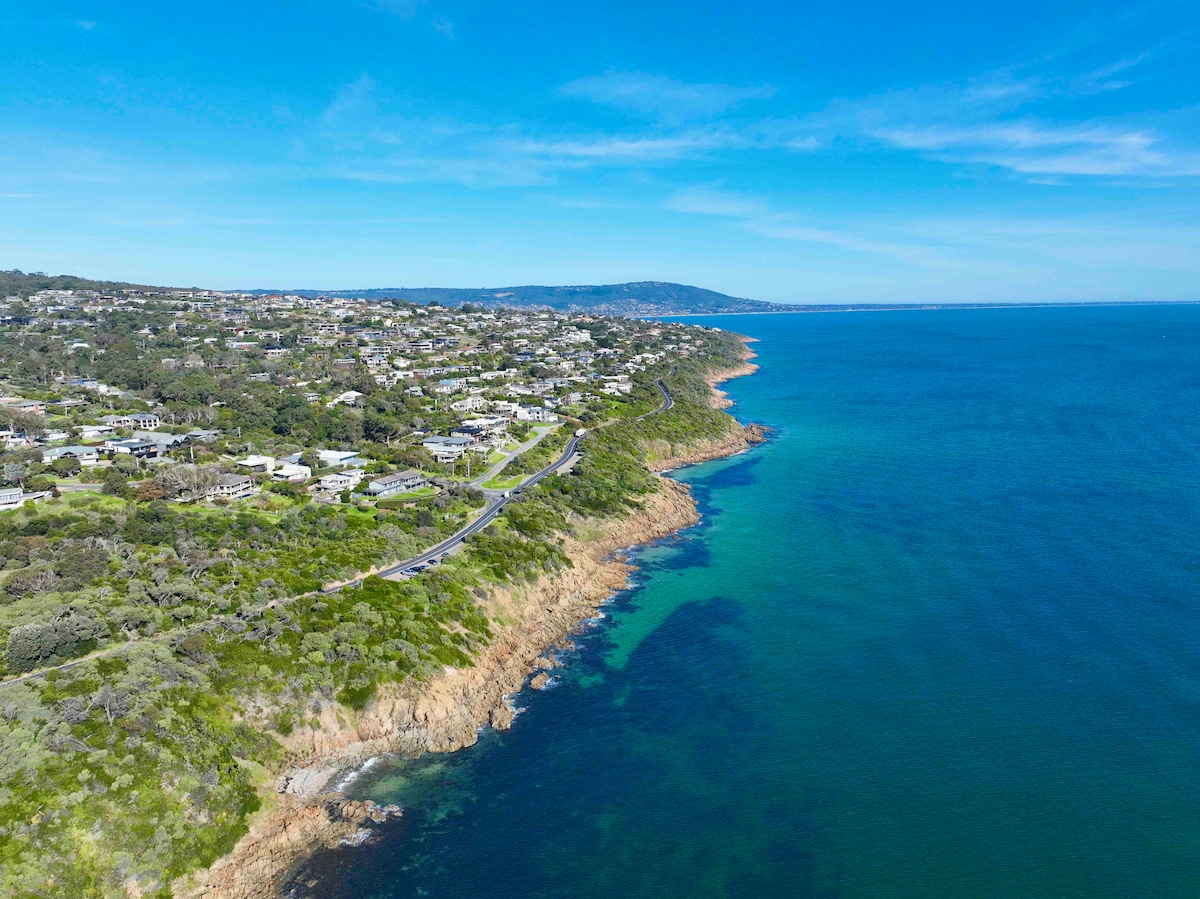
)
(1035, 149)
(985, 121)
(1087, 246)
(666, 98)
(631, 149)
(404, 9)
(352, 99)
(759, 218)
(973, 124)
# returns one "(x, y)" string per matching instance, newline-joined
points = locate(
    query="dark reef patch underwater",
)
(939, 637)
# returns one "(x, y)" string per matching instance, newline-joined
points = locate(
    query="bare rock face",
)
(441, 714)
(539, 680)
(276, 841)
(737, 441)
(445, 712)
(718, 398)
(502, 716)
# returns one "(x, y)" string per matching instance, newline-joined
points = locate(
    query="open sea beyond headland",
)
(940, 637)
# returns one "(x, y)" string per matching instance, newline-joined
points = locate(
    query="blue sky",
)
(849, 152)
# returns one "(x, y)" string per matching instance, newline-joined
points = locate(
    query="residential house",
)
(231, 486)
(329, 458)
(391, 484)
(11, 497)
(257, 464)
(480, 431)
(139, 449)
(341, 480)
(447, 449)
(535, 413)
(147, 421)
(20, 404)
(87, 455)
(469, 404)
(165, 441)
(349, 398)
(286, 471)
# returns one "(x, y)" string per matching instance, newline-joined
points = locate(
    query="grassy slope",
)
(145, 764)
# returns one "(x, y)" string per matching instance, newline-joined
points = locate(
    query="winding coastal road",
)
(496, 501)
(668, 402)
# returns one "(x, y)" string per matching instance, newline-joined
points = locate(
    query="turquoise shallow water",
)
(939, 637)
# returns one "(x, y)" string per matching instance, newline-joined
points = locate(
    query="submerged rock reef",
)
(444, 713)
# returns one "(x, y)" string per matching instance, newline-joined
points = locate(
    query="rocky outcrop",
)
(739, 439)
(293, 829)
(441, 714)
(446, 711)
(719, 399)
(736, 441)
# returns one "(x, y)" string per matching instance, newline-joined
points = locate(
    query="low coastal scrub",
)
(195, 639)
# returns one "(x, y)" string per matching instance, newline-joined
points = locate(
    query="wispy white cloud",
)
(648, 148)
(443, 27)
(1105, 78)
(425, 168)
(1162, 242)
(987, 121)
(667, 99)
(85, 24)
(978, 257)
(993, 121)
(405, 9)
(352, 100)
(758, 217)
(591, 203)
(1034, 148)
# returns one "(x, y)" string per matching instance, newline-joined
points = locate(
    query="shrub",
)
(32, 644)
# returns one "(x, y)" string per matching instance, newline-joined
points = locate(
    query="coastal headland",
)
(304, 807)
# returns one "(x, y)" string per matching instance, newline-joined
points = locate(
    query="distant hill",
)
(23, 284)
(637, 298)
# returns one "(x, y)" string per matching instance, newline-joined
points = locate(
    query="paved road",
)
(668, 402)
(496, 502)
(494, 471)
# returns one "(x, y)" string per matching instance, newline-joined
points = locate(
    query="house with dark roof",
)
(391, 484)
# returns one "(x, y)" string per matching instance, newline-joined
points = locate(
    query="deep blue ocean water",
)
(940, 637)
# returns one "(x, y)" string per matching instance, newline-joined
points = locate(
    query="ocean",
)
(939, 637)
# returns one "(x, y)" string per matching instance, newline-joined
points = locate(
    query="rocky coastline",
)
(736, 441)
(718, 398)
(304, 808)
